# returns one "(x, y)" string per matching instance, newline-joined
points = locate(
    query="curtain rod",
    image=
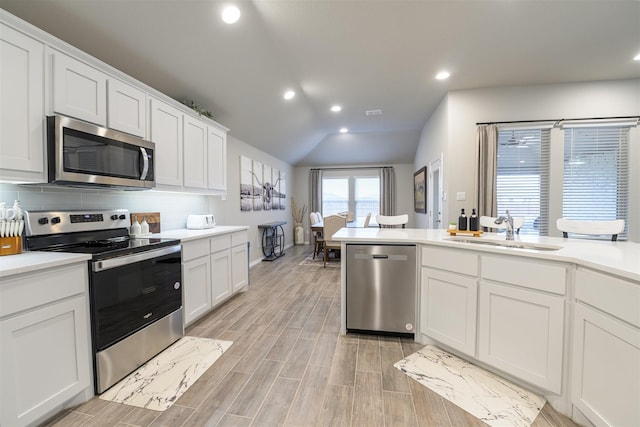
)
(556, 120)
(347, 168)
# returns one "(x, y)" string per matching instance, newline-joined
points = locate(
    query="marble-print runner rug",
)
(481, 393)
(162, 380)
(318, 261)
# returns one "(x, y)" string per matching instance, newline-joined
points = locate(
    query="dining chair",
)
(350, 216)
(366, 220)
(385, 221)
(490, 222)
(593, 228)
(318, 241)
(332, 224)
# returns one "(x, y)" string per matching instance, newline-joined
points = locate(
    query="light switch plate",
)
(461, 195)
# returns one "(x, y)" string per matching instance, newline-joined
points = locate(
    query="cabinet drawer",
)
(450, 259)
(219, 243)
(531, 274)
(239, 238)
(618, 297)
(31, 290)
(195, 249)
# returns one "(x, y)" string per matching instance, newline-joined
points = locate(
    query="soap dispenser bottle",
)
(473, 221)
(462, 221)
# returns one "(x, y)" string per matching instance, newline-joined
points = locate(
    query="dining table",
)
(319, 226)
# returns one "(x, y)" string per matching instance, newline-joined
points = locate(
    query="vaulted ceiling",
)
(360, 54)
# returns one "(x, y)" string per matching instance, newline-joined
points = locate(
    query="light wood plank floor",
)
(289, 366)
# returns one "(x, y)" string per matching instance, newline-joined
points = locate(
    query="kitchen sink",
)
(506, 243)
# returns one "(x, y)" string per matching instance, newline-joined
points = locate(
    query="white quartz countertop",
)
(185, 235)
(27, 262)
(620, 258)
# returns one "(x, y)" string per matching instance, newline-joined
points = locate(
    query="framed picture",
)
(420, 190)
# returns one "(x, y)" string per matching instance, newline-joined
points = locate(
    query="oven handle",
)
(130, 259)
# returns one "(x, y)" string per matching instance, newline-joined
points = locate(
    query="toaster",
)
(200, 222)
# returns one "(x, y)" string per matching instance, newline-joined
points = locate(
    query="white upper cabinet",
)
(22, 149)
(126, 107)
(79, 90)
(217, 155)
(166, 132)
(195, 153)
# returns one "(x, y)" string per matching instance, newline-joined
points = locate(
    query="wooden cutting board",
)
(153, 219)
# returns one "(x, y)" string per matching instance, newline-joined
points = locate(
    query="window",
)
(356, 191)
(596, 174)
(335, 195)
(522, 183)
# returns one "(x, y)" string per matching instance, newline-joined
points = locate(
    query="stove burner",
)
(116, 242)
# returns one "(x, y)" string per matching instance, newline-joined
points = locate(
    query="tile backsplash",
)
(173, 207)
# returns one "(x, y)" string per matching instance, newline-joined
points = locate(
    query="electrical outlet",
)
(461, 195)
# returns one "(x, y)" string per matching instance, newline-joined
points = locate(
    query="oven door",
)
(132, 291)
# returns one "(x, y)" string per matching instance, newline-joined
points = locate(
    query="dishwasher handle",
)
(390, 257)
(380, 256)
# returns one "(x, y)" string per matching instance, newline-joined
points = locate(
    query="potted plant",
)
(298, 214)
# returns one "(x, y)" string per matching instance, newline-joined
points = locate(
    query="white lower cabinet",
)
(448, 309)
(213, 269)
(221, 288)
(45, 360)
(521, 332)
(197, 295)
(605, 366)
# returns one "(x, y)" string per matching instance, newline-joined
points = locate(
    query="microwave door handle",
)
(145, 163)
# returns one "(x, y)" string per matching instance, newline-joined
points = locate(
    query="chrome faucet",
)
(508, 220)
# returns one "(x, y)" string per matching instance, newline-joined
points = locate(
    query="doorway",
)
(435, 193)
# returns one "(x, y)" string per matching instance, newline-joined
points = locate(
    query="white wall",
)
(228, 211)
(575, 100)
(404, 190)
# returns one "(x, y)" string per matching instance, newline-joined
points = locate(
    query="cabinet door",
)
(239, 267)
(448, 309)
(521, 332)
(605, 368)
(79, 90)
(220, 277)
(127, 110)
(21, 107)
(166, 132)
(45, 360)
(217, 155)
(196, 288)
(195, 153)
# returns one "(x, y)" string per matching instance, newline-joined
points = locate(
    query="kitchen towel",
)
(481, 393)
(160, 382)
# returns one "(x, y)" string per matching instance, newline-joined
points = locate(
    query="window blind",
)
(596, 174)
(522, 182)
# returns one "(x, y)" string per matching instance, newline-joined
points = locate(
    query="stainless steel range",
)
(134, 285)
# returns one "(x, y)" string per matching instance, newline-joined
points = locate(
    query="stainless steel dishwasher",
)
(381, 288)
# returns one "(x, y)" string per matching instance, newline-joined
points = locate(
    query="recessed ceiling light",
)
(442, 75)
(231, 14)
(637, 57)
(344, 130)
(289, 94)
(336, 108)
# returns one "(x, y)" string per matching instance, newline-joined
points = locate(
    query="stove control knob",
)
(55, 220)
(114, 217)
(44, 220)
(122, 217)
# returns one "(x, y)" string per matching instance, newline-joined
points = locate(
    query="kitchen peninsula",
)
(560, 316)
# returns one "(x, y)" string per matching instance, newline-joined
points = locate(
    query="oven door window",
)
(127, 298)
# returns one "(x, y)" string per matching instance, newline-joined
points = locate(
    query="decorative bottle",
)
(473, 221)
(462, 221)
(144, 226)
(135, 227)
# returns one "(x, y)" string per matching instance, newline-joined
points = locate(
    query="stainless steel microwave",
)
(83, 154)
